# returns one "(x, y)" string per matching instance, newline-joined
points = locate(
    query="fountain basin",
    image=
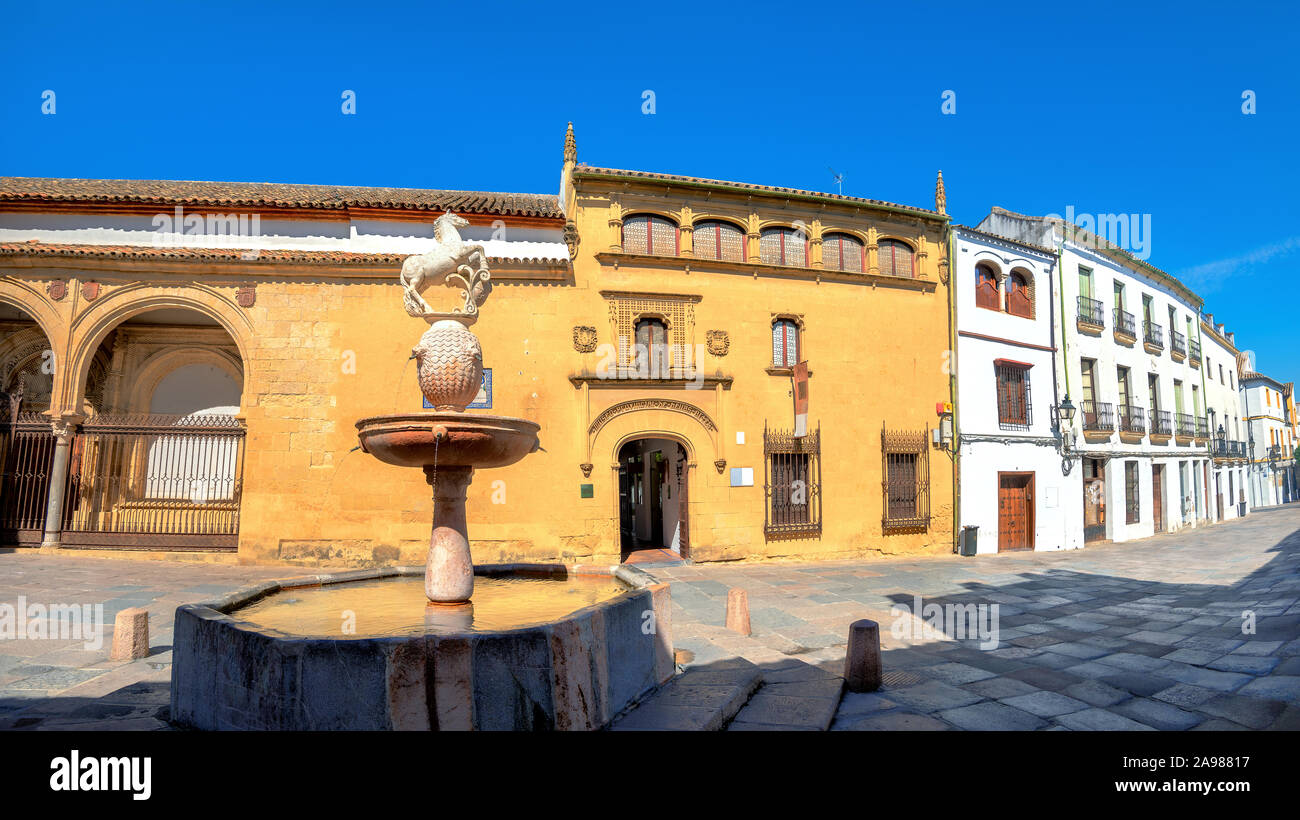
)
(456, 439)
(573, 672)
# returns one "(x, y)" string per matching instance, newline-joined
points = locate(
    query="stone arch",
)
(665, 417)
(120, 304)
(49, 325)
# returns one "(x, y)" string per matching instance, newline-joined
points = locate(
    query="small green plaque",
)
(586, 491)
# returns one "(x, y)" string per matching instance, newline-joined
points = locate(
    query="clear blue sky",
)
(1109, 107)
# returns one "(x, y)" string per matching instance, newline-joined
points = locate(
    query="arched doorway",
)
(158, 463)
(653, 497)
(27, 369)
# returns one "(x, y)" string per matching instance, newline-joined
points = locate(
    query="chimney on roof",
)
(1221, 328)
(1209, 319)
(1232, 339)
(940, 196)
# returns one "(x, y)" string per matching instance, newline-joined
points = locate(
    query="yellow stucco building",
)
(182, 365)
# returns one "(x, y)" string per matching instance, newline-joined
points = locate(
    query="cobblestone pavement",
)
(62, 684)
(1141, 635)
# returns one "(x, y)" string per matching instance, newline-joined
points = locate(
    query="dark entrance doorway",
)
(652, 496)
(1094, 500)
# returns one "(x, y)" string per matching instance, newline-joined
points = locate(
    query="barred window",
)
(1019, 301)
(783, 246)
(714, 239)
(792, 484)
(896, 258)
(1014, 411)
(785, 343)
(1132, 505)
(986, 287)
(840, 251)
(646, 233)
(906, 482)
(652, 347)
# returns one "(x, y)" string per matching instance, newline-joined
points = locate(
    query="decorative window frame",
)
(676, 311)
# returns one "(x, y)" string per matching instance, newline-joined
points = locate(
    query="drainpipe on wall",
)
(952, 395)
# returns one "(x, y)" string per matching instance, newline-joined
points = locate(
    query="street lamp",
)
(1065, 417)
(1222, 438)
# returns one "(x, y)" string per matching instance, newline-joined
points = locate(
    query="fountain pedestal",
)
(449, 570)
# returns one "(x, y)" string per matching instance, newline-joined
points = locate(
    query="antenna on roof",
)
(839, 181)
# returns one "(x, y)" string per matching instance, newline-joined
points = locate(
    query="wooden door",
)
(1218, 496)
(1015, 511)
(656, 494)
(1157, 496)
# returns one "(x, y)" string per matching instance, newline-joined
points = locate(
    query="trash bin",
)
(1241, 509)
(969, 539)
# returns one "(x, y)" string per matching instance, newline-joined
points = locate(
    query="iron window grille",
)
(1162, 423)
(1186, 424)
(1015, 411)
(1177, 343)
(1153, 334)
(906, 483)
(1125, 323)
(792, 483)
(1194, 350)
(1132, 419)
(1091, 311)
(1097, 415)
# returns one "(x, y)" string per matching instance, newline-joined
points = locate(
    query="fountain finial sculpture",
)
(448, 443)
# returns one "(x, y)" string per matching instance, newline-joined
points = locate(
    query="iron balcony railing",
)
(1186, 424)
(1162, 423)
(1219, 447)
(1125, 323)
(1239, 449)
(1177, 343)
(1194, 350)
(1091, 311)
(1202, 428)
(1132, 419)
(1153, 334)
(1097, 415)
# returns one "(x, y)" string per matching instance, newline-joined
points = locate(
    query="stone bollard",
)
(131, 634)
(862, 663)
(738, 611)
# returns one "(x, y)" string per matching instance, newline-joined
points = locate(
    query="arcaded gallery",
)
(182, 366)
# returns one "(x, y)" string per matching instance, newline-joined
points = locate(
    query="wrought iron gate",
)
(155, 482)
(26, 452)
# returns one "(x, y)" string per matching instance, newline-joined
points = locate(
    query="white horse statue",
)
(452, 261)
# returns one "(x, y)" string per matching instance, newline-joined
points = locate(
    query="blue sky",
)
(1105, 107)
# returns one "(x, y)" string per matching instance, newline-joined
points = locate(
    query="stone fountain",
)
(549, 646)
(447, 443)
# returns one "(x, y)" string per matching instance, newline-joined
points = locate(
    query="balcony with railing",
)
(1125, 327)
(1177, 345)
(1153, 337)
(1202, 429)
(1194, 352)
(1132, 421)
(1184, 427)
(1162, 424)
(1092, 316)
(1098, 417)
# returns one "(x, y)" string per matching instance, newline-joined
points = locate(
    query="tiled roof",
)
(275, 195)
(748, 187)
(999, 238)
(244, 255)
(1104, 244)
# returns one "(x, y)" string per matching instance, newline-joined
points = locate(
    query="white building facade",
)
(1012, 486)
(1126, 363)
(1227, 483)
(1265, 404)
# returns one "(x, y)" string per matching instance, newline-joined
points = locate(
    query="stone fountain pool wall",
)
(575, 673)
